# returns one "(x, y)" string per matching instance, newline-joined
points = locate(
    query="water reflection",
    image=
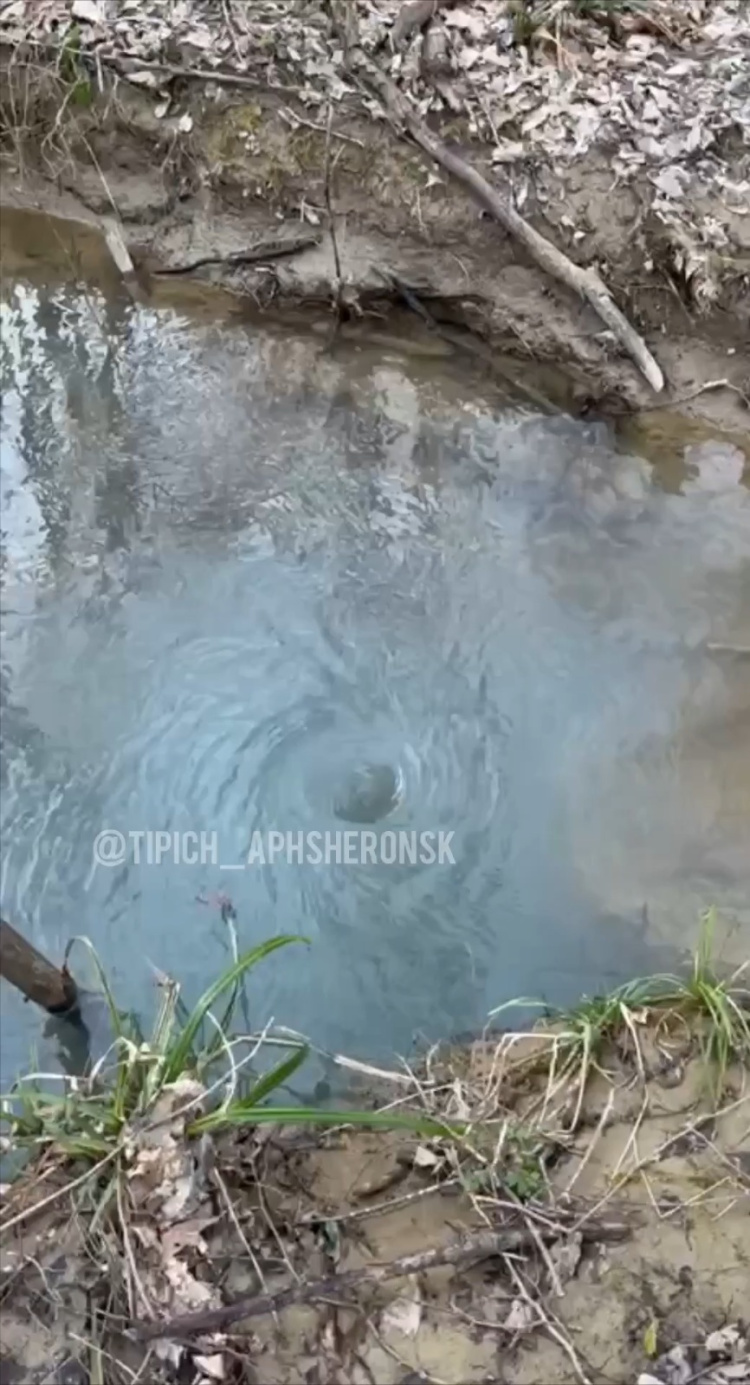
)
(249, 585)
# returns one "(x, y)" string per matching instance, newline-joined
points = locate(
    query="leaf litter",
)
(662, 87)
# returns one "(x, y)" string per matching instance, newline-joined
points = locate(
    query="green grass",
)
(93, 1115)
(143, 1112)
(713, 1007)
(94, 1118)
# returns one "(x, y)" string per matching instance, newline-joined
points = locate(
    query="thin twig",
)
(631, 1140)
(601, 1124)
(390, 1350)
(331, 218)
(221, 1185)
(546, 1320)
(390, 1205)
(129, 1256)
(292, 118)
(674, 401)
(58, 1193)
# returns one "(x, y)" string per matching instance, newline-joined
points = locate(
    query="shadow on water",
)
(250, 585)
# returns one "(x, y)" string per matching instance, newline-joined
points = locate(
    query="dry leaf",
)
(144, 78)
(184, 1234)
(470, 23)
(723, 1342)
(651, 1338)
(566, 1256)
(212, 1366)
(189, 1293)
(521, 1316)
(172, 1352)
(425, 1158)
(403, 1315)
(86, 10)
(732, 1374)
(676, 1366)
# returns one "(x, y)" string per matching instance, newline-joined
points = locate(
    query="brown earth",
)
(633, 1205)
(236, 172)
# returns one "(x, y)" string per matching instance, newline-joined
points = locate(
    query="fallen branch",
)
(400, 112)
(115, 243)
(480, 1245)
(272, 249)
(37, 979)
(673, 403)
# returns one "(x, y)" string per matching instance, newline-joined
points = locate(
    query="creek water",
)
(251, 583)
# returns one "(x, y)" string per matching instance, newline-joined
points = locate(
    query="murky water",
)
(250, 584)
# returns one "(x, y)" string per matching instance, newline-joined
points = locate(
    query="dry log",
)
(37, 979)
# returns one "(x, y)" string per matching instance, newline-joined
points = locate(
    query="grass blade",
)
(423, 1126)
(180, 1054)
(269, 1082)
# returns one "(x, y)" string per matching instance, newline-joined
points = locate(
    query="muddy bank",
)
(200, 171)
(588, 1230)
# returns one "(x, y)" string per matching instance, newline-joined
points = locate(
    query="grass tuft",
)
(714, 1007)
(93, 1117)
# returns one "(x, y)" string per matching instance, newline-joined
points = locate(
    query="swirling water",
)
(247, 581)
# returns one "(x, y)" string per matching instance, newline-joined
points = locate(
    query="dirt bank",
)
(203, 154)
(584, 1230)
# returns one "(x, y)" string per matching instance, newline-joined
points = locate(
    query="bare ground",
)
(620, 1212)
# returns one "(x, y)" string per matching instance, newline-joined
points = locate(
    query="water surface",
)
(248, 582)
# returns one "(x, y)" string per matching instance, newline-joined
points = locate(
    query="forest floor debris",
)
(565, 1204)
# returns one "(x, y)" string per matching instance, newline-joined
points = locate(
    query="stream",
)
(251, 583)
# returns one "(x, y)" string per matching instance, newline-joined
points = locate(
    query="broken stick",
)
(400, 112)
(37, 979)
(477, 1246)
(272, 248)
